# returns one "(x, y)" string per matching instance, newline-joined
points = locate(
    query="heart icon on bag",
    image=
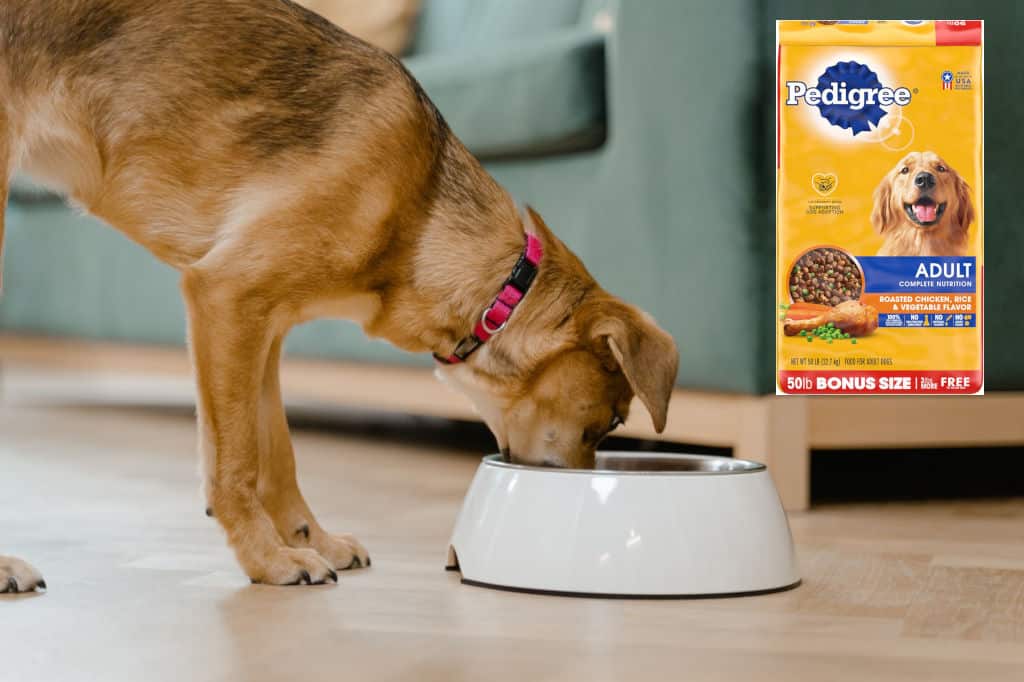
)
(824, 183)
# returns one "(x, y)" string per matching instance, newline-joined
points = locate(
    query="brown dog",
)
(291, 171)
(923, 208)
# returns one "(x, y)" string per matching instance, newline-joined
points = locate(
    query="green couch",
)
(641, 130)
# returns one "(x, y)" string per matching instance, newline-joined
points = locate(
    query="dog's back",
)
(159, 115)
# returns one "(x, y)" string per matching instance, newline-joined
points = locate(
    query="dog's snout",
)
(924, 180)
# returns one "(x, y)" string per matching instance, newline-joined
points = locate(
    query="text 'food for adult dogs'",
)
(879, 213)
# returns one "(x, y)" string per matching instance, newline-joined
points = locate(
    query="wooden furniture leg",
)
(774, 430)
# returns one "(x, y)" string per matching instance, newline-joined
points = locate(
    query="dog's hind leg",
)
(18, 576)
(230, 340)
(279, 487)
(6, 163)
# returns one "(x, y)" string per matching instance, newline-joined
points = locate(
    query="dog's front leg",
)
(279, 487)
(230, 338)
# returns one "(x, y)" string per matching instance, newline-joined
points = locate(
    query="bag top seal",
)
(899, 33)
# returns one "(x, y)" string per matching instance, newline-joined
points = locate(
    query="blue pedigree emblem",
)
(851, 77)
(848, 96)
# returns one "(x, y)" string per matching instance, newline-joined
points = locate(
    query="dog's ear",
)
(964, 208)
(530, 218)
(645, 353)
(882, 215)
(533, 222)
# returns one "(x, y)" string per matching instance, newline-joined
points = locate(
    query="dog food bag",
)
(879, 263)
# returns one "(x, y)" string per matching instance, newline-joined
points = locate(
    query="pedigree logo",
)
(848, 95)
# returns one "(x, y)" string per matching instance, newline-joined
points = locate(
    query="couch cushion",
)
(532, 96)
(453, 26)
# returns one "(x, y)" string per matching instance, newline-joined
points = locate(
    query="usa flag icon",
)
(947, 80)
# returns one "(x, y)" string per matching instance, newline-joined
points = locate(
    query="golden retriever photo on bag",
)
(288, 171)
(923, 208)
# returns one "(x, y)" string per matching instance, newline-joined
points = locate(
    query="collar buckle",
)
(523, 273)
(467, 346)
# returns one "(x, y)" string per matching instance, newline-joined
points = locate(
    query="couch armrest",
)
(526, 97)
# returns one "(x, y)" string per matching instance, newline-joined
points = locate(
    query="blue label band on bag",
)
(921, 274)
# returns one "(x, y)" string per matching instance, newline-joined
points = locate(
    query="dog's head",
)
(922, 192)
(562, 376)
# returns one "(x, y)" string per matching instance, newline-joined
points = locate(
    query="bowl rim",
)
(747, 466)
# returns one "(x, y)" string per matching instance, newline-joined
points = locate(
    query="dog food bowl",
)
(638, 525)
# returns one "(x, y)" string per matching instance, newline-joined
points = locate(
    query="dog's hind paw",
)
(19, 576)
(342, 551)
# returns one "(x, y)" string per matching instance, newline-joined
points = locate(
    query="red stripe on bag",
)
(958, 32)
(880, 382)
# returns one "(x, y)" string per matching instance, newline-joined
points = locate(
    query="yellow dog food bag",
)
(879, 262)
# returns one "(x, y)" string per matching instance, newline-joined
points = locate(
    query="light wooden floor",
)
(105, 502)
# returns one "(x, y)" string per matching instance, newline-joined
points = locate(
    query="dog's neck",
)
(530, 331)
(458, 255)
(486, 269)
(458, 259)
(538, 326)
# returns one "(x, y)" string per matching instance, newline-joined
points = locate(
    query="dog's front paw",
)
(19, 576)
(342, 551)
(290, 566)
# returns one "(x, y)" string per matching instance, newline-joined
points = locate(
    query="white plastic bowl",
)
(639, 525)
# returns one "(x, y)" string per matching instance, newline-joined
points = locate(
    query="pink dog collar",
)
(496, 316)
